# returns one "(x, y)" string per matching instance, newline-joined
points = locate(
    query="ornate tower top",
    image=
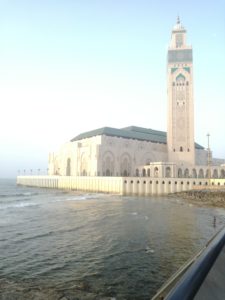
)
(178, 26)
(178, 36)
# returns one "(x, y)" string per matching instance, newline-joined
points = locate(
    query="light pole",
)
(209, 159)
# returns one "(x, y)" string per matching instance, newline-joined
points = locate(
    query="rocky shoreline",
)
(204, 197)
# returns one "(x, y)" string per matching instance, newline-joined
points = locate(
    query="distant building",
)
(136, 151)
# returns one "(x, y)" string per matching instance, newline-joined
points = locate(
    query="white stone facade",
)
(115, 156)
(105, 156)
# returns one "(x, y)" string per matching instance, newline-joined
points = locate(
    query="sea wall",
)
(82, 183)
(120, 185)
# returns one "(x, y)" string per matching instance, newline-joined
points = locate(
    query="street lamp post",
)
(209, 159)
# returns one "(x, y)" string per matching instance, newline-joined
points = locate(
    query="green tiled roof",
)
(132, 132)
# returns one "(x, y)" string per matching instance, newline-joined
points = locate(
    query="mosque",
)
(136, 151)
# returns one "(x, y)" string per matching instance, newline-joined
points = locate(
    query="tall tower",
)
(180, 126)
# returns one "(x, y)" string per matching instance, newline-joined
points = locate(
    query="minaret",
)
(180, 127)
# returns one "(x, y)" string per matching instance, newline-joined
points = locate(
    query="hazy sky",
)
(69, 66)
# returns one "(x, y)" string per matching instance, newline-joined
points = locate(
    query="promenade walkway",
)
(213, 287)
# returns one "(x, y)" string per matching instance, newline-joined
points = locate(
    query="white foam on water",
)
(18, 205)
(134, 213)
(149, 250)
(83, 197)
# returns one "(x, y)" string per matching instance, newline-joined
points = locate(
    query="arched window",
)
(200, 174)
(84, 165)
(125, 164)
(137, 172)
(194, 173)
(222, 174)
(208, 174)
(156, 172)
(107, 173)
(143, 172)
(180, 173)
(186, 173)
(168, 172)
(108, 164)
(84, 173)
(181, 149)
(125, 174)
(215, 173)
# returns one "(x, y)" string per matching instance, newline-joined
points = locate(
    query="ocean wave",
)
(81, 197)
(18, 194)
(33, 237)
(17, 205)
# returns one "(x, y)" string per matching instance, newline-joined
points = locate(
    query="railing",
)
(186, 283)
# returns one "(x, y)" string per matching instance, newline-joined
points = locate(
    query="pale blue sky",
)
(71, 66)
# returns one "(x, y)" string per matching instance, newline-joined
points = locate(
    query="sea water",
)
(116, 246)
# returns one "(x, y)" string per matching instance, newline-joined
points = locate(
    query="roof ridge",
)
(149, 135)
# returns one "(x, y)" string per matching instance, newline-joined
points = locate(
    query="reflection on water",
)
(106, 245)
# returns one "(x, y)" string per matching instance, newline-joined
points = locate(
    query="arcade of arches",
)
(171, 171)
